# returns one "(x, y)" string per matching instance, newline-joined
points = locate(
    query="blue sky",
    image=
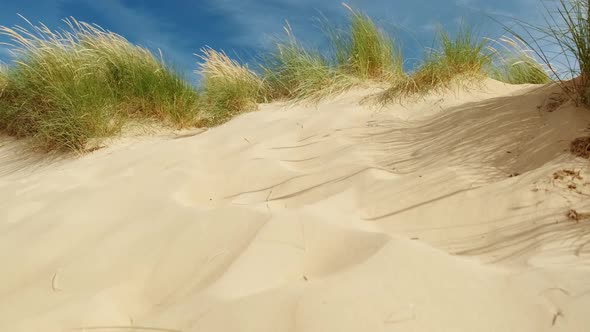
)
(244, 27)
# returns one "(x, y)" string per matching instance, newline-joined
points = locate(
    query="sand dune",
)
(443, 214)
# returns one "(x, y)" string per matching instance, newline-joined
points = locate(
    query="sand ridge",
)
(442, 214)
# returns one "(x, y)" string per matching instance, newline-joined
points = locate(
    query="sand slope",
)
(335, 217)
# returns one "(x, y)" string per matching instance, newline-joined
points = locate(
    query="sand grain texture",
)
(444, 214)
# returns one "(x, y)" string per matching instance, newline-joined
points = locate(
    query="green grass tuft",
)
(229, 88)
(68, 87)
(567, 30)
(367, 52)
(515, 64)
(462, 58)
(292, 71)
(463, 55)
(361, 52)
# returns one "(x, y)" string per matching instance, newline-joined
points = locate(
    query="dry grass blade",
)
(3, 79)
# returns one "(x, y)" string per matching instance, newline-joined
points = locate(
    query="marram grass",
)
(462, 58)
(68, 87)
(361, 52)
(229, 88)
(295, 72)
(515, 64)
(366, 51)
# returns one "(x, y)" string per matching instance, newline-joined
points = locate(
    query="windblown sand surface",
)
(447, 214)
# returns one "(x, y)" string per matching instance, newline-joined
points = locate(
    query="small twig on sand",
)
(557, 314)
(54, 286)
(144, 328)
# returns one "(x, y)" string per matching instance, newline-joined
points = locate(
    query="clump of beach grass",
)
(295, 72)
(229, 88)
(84, 83)
(463, 58)
(366, 51)
(567, 29)
(515, 64)
(361, 52)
